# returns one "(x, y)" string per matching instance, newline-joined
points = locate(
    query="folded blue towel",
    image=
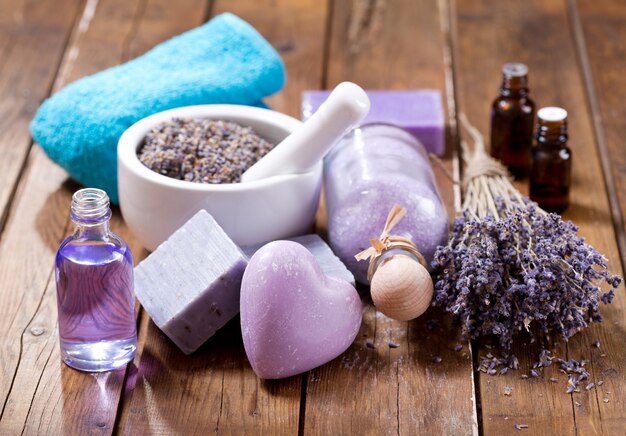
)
(222, 61)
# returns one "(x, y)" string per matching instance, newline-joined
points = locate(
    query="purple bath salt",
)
(367, 172)
(420, 111)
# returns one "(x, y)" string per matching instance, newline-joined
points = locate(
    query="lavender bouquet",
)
(510, 267)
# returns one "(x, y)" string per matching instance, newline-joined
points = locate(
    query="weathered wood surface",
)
(413, 394)
(538, 33)
(575, 51)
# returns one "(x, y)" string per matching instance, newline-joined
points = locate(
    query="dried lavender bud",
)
(589, 386)
(601, 382)
(576, 371)
(534, 373)
(202, 150)
(437, 359)
(458, 347)
(596, 343)
(392, 344)
(370, 344)
(524, 270)
(520, 426)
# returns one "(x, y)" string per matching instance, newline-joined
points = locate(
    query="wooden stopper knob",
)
(401, 287)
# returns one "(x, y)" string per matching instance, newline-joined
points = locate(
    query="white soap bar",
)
(331, 265)
(190, 284)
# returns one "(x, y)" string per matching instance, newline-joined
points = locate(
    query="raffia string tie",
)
(387, 242)
(482, 164)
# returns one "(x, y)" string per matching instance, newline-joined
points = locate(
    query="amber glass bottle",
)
(551, 169)
(512, 118)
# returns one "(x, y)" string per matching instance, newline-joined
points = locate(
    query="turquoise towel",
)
(222, 61)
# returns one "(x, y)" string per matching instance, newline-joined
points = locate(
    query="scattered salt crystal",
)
(508, 390)
(554, 380)
(606, 400)
(437, 359)
(589, 386)
(520, 426)
(524, 376)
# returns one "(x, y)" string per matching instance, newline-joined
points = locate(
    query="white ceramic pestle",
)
(345, 108)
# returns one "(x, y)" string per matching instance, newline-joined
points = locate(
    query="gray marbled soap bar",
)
(331, 265)
(190, 284)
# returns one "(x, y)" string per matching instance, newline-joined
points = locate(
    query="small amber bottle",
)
(551, 169)
(512, 118)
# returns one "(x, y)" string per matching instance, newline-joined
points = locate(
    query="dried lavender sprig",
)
(509, 266)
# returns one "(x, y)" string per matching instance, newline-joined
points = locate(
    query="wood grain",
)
(575, 50)
(214, 388)
(32, 44)
(600, 28)
(537, 33)
(385, 390)
(51, 397)
(32, 39)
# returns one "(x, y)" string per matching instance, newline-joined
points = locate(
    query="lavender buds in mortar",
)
(509, 266)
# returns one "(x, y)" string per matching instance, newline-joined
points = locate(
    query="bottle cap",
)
(552, 114)
(514, 69)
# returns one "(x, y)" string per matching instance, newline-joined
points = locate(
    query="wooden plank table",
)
(576, 53)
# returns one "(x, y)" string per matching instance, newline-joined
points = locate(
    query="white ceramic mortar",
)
(154, 205)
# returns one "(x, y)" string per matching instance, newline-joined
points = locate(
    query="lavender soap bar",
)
(418, 111)
(190, 284)
(330, 264)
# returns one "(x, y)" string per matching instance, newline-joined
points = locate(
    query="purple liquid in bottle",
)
(96, 305)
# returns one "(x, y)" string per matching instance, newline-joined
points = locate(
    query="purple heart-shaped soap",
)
(293, 317)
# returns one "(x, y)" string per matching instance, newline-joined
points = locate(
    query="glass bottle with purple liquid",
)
(95, 300)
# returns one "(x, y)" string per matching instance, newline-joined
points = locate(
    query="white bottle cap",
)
(552, 114)
(513, 69)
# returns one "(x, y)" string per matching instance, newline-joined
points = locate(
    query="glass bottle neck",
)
(552, 134)
(98, 230)
(90, 213)
(514, 86)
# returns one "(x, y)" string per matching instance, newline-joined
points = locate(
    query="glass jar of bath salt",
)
(371, 169)
(95, 299)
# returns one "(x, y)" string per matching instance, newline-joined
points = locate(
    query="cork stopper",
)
(400, 285)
